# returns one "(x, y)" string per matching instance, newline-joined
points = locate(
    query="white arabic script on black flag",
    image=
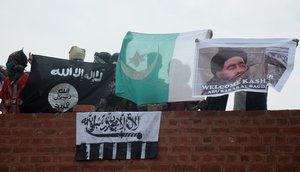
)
(56, 85)
(117, 135)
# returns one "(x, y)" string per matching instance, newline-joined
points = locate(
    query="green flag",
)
(156, 68)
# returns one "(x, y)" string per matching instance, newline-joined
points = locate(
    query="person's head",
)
(114, 58)
(229, 63)
(16, 64)
(77, 53)
(102, 57)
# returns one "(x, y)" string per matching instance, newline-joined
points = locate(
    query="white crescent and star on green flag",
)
(136, 60)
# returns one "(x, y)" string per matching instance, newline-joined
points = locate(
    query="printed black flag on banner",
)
(56, 85)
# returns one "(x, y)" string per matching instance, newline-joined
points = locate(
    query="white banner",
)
(97, 127)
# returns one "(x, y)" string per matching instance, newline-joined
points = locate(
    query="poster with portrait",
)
(223, 66)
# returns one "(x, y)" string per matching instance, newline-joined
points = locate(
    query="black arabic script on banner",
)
(111, 125)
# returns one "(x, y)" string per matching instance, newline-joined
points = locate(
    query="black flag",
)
(56, 85)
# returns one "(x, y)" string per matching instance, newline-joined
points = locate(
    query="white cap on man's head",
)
(76, 53)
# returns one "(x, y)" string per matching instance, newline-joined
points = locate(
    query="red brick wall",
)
(189, 141)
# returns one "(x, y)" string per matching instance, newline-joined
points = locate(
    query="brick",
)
(291, 130)
(173, 158)
(294, 121)
(219, 140)
(296, 159)
(269, 121)
(220, 130)
(195, 157)
(68, 168)
(13, 141)
(45, 116)
(235, 168)
(39, 159)
(255, 140)
(233, 121)
(4, 168)
(271, 158)
(268, 130)
(2, 141)
(59, 141)
(185, 140)
(245, 122)
(181, 149)
(12, 124)
(24, 124)
(9, 159)
(193, 130)
(207, 158)
(5, 132)
(46, 168)
(204, 148)
(280, 139)
(24, 159)
(210, 168)
(284, 158)
(287, 168)
(25, 141)
(245, 158)
(282, 148)
(23, 116)
(231, 158)
(261, 167)
(282, 121)
(257, 158)
(24, 167)
(295, 140)
(137, 167)
(185, 122)
(220, 122)
(255, 149)
(42, 141)
(267, 139)
(169, 131)
(180, 168)
(242, 139)
(173, 139)
(232, 139)
(230, 148)
(247, 130)
(297, 149)
(220, 158)
(23, 132)
(67, 158)
(46, 132)
(84, 108)
(197, 121)
(207, 139)
(173, 122)
(48, 149)
(184, 158)
(258, 121)
(22, 150)
(5, 149)
(195, 140)
(160, 167)
(36, 124)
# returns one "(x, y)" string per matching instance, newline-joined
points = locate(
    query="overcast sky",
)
(51, 27)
